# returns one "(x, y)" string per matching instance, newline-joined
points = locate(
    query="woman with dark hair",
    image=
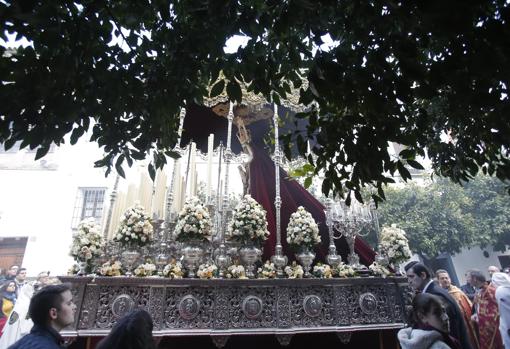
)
(133, 331)
(429, 325)
(8, 294)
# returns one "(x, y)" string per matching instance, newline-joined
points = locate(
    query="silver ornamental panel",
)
(122, 305)
(368, 303)
(189, 307)
(218, 307)
(312, 305)
(252, 307)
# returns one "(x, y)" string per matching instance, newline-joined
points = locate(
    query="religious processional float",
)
(213, 239)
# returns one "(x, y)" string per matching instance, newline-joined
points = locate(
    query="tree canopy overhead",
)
(399, 71)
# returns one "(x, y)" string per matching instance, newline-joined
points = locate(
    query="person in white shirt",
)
(502, 283)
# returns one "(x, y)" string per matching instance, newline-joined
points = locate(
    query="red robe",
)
(465, 306)
(488, 318)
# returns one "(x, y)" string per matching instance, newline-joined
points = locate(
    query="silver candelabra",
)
(349, 222)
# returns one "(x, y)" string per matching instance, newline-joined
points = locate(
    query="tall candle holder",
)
(351, 222)
(279, 259)
(169, 215)
(222, 258)
(332, 258)
(113, 198)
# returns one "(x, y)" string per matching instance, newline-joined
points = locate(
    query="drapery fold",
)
(293, 195)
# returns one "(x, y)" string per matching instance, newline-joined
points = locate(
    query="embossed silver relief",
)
(301, 304)
(312, 305)
(122, 305)
(189, 306)
(368, 303)
(252, 307)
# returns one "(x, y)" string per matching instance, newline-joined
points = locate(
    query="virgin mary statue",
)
(252, 123)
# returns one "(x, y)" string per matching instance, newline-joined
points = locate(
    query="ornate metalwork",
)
(232, 306)
(256, 102)
(368, 303)
(332, 258)
(279, 259)
(189, 307)
(170, 191)
(252, 307)
(312, 305)
(113, 197)
(156, 306)
(122, 305)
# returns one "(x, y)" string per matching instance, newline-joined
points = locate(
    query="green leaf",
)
(152, 172)
(42, 151)
(415, 164)
(217, 88)
(76, 134)
(407, 154)
(308, 168)
(118, 166)
(308, 182)
(234, 91)
(173, 154)
(404, 173)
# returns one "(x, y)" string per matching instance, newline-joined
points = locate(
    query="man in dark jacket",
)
(468, 288)
(419, 278)
(51, 309)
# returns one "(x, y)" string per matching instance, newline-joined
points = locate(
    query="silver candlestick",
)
(279, 259)
(113, 198)
(332, 258)
(222, 258)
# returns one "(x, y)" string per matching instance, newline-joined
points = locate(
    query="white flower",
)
(193, 222)
(248, 222)
(87, 241)
(135, 227)
(394, 245)
(302, 229)
(294, 271)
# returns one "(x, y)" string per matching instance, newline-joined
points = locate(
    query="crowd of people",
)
(474, 316)
(16, 293)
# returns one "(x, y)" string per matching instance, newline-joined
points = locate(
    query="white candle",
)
(210, 150)
(193, 169)
(176, 197)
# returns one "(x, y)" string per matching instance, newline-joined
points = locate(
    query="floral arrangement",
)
(379, 269)
(323, 271)
(344, 270)
(248, 223)
(394, 245)
(302, 229)
(267, 271)
(135, 228)
(207, 271)
(294, 271)
(111, 269)
(236, 272)
(75, 268)
(194, 222)
(173, 270)
(146, 269)
(87, 241)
